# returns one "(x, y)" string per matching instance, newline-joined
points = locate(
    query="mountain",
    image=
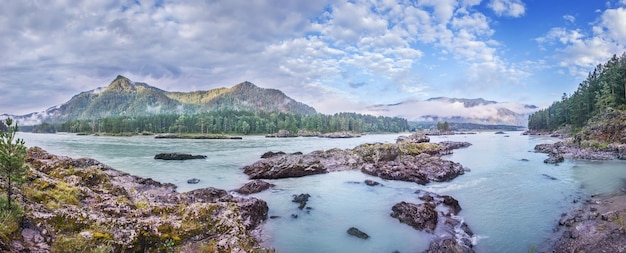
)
(123, 97)
(459, 110)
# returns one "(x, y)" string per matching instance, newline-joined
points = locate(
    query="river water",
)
(510, 198)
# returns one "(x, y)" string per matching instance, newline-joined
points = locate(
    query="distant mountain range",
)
(124, 97)
(459, 110)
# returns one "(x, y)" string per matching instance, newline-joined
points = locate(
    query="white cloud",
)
(613, 22)
(579, 50)
(569, 18)
(512, 8)
(302, 47)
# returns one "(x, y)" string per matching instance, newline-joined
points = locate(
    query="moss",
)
(409, 148)
(66, 224)
(51, 194)
(78, 243)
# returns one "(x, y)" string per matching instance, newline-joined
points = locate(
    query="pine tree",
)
(12, 158)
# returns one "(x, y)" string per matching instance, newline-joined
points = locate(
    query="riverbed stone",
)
(254, 187)
(422, 216)
(357, 233)
(178, 156)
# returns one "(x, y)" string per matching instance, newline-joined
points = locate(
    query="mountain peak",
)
(123, 84)
(245, 85)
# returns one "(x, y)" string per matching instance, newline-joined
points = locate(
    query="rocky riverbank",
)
(557, 152)
(411, 159)
(75, 205)
(599, 225)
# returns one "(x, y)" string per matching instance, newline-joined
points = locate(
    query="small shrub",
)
(9, 220)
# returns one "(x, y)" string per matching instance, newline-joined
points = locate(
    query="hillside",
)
(597, 102)
(123, 97)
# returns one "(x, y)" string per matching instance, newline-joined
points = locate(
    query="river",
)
(510, 198)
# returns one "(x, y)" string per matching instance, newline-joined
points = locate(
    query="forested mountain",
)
(124, 97)
(604, 88)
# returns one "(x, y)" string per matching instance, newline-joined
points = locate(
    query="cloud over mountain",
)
(459, 110)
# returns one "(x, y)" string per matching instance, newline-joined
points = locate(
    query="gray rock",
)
(357, 233)
(178, 156)
(301, 199)
(254, 187)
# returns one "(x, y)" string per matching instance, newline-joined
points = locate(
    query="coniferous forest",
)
(604, 88)
(232, 122)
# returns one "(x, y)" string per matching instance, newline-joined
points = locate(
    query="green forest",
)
(231, 122)
(604, 88)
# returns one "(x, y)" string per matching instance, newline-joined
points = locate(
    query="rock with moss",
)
(76, 205)
(410, 159)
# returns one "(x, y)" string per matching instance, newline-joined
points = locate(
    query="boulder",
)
(455, 144)
(414, 138)
(269, 154)
(178, 156)
(370, 182)
(446, 245)
(301, 199)
(422, 216)
(193, 181)
(554, 159)
(437, 215)
(357, 233)
(285, 167)
(254, 187)
(420, 169)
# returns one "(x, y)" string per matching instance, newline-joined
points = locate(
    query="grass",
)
(9, 220)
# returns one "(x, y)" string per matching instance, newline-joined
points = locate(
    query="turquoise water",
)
(509, 204)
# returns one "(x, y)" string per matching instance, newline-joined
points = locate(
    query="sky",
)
(333, 55)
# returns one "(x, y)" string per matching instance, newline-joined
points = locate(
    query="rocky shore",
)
(599, 225)
(558, 151)
(79, 205)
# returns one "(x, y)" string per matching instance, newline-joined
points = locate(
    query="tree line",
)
(231, 122)
(604, 88)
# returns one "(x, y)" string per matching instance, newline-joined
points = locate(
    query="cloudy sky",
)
(333, 55)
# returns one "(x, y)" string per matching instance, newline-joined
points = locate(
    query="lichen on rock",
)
(79, 204)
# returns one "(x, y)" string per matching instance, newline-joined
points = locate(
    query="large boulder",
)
(420, 169)
(285, 167)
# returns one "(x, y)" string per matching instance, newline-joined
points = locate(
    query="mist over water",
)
(510, 204)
